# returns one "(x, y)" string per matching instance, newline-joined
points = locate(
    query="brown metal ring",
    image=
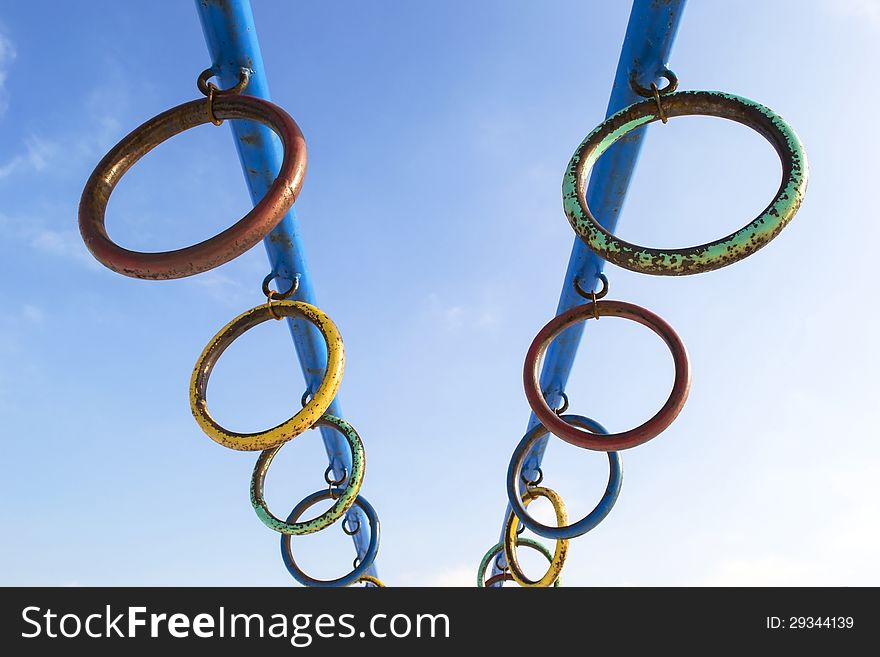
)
(613, 441)
(500, 577)
(221, 248)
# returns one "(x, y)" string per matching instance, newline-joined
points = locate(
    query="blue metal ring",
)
(582, 526)
(367, 561)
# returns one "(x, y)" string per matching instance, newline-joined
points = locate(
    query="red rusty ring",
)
(224, 246)
(612, 441)
(496, 579)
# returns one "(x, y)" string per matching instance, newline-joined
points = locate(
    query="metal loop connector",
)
(244, 76)
(592, 295)
(656, 93)
(335, 482)
(534, 482)
(564, 407)
(649, 92)
(352, 532)
(276, 295)
(210, 89)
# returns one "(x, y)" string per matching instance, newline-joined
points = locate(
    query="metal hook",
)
(646, 92)
(654, 92)
(592, 295)
(350, 532)
(334, 482)
(210, 89)
(274, 295)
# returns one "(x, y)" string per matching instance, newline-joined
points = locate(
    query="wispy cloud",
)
(867, 11)
(37, 157)
(455, 318)
(33, 314)
(223, 289)
(7, 54)
(80, 144)
(31, 230)
(64, 243)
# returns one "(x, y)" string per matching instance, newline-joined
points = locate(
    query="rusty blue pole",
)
(645, 51)
(231, 37)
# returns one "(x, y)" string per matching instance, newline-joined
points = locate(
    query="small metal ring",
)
(212, 90)
(648, 92)
(660, 109)
(510, 540)
(534, 482)
(244, 76)
(564, 407)
(503, 568)
(356, 562)
(299, 422)
(335, 482)
(499, 548)
(592, 295)
(615, 441)
(272, 312)
(306, 398)
(343, 498)
(350, 532)
(274, 294)
(582, 526)
(361, 569)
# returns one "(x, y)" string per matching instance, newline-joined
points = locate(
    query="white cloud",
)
(81, 144)
(64, 243)
(33, 314)
(457, 317)
(223, 289)
(7, 54)
(37, 156)
(863, 10)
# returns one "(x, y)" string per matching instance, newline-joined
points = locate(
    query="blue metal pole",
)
(231, 37)
(649, 36)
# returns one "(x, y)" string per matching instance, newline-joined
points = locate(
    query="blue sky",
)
(438, 134)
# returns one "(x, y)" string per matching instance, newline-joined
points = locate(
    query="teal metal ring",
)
(499, 548)
(706, 257)
(346, 496)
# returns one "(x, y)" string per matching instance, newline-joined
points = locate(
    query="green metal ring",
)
(342, 503)
(499, 548)
(706, 257)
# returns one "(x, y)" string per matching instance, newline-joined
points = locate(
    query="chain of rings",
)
(343, 490)
(660, 104)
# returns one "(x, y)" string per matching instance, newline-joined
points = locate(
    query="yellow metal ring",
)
(375, 581)
(510, 537)
(311, 412)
